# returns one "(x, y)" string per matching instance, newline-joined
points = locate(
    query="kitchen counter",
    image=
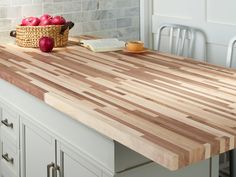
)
(172, 110)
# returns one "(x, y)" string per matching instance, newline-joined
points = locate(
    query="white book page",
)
(102, 45)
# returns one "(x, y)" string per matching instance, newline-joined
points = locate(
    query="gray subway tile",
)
(108, 18)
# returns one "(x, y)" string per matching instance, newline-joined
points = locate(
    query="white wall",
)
(145, 22)
(216, 17)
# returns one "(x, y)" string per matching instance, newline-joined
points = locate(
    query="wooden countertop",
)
(174, 111)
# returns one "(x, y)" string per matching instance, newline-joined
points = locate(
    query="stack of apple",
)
(46, 44)
(44, 20)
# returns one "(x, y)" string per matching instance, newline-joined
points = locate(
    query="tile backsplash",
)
(107, 18)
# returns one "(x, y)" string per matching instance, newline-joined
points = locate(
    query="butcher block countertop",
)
(172, 110)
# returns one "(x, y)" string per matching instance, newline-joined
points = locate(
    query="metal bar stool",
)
(230, 52)
(178, 37)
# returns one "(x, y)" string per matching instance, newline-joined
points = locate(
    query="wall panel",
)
(222, 12)
(216, 18)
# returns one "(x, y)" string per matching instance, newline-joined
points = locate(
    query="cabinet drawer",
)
(10, 125)
(10, 159)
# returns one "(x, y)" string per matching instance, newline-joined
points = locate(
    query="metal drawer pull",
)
(49, 166)
(57, 168)
(6, 157)
(5, 122)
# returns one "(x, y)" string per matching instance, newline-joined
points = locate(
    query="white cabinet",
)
(38, 150)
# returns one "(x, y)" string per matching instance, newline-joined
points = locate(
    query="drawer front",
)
(10, 125)
(10, 159)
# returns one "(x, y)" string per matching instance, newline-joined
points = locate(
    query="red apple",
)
(45, 22)
(58, 20)
(30, 21)
(46, 44)
(24, 22)
(45, 17)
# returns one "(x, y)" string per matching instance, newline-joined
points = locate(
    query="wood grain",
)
(173, 110)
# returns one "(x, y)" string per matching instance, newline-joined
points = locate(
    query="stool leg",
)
(232, 157)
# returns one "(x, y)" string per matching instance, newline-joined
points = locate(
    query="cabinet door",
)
(38, 150)
(75, 164)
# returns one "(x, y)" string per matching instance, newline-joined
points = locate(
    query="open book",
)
(103, 45)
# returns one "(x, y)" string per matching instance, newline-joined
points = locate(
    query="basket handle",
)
(66, 26)
(13, 33)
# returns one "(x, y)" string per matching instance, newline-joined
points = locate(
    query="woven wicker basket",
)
(28, 36)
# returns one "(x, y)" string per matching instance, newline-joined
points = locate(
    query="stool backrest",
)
(180, 38)
(230, 52)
